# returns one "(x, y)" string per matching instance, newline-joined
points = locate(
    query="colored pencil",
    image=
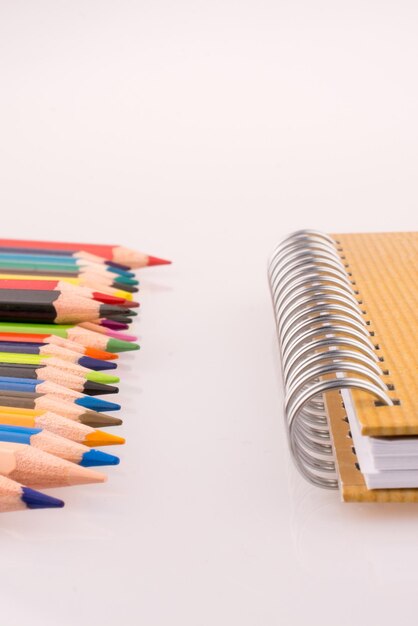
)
(48, 361)
(36, 405)
(39, 261)
(63, 254)
(56, 340)
(46, 349)
(112, 324)
(61, 285)
(64, 317)
(106, 276)
(86, 278)
(38, 469)
(55, 423)
(17, 497)
(64, 261)
(122, 322)
(28, 374)
(117, 254)
(38, 306)
(73, 333)
(75, 281)
(85, 256)
(59, 446)
(16, 386)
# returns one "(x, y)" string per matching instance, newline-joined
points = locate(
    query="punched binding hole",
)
(380, 403)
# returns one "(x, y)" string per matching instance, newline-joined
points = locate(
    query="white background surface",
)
(204, 132)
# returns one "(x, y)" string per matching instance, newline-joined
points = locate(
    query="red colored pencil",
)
(116, 254)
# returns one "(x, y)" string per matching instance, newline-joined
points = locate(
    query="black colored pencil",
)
(40, 306)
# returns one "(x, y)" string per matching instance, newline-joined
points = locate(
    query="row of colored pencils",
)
(64, 312)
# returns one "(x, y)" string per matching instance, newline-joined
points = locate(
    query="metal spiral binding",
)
(324, 344)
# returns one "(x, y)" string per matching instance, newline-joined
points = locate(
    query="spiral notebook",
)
(346, 310)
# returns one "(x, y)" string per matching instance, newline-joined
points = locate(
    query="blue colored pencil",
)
(17, 497)
(65, 261)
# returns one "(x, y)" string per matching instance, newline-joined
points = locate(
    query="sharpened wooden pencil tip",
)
(100, 438)
(154, 260)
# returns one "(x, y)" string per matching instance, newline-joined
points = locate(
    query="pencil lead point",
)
(107, 298)
(118, 345)
(101, 438)
(101, 355)
(99, 420)
(97, 404)
(96, 364)
(37, 500)
(98, 377)
(94, 458)
(154, 260)
(119, 336)
(126, 288)
(92, 388)
(124, 280)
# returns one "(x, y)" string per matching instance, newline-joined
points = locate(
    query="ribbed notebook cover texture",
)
(384, 267)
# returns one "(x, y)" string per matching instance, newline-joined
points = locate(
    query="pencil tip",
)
(99, 420)
(94, 458)
(37, 500)
(130, 304)
(119, 345)
(113, 324)
(154, 260)
(99, 377)
(97, 404)
(108, 298)
(128, 289)
(98, 389)
(101, 438)
(101, 355)
(115, 334)
(96, 364)
(125, 280)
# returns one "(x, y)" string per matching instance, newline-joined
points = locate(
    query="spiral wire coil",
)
(324, 344)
